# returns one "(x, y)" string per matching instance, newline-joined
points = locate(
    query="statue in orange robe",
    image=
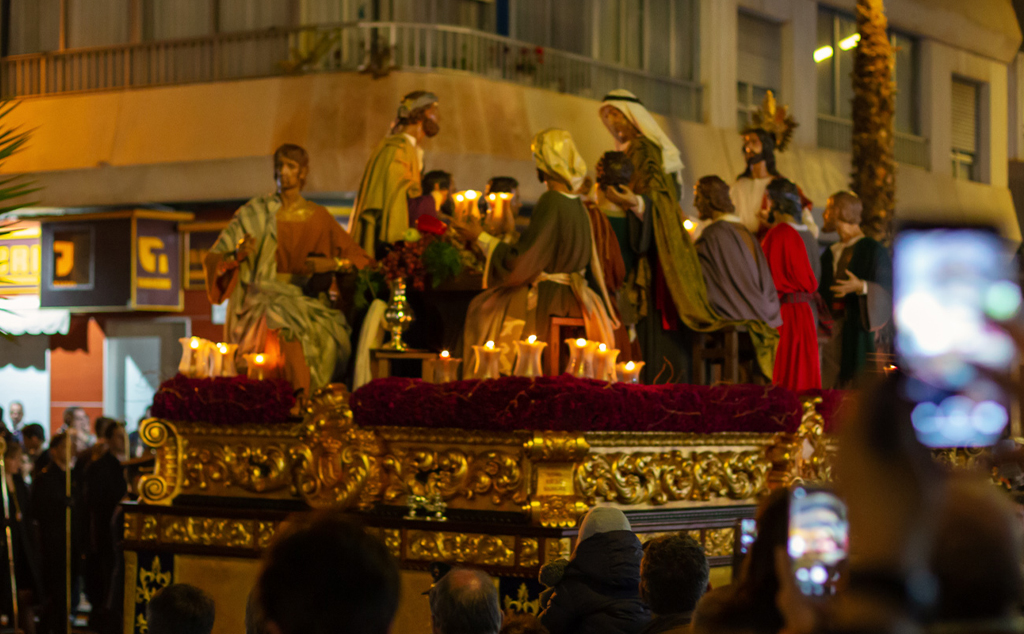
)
(796, 363)
(263, 263)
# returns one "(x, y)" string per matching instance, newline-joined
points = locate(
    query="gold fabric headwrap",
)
(555, 153)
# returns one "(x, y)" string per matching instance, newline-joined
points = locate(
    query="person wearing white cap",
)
(543, 275)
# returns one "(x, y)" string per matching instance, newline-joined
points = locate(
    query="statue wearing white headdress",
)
(667, 287)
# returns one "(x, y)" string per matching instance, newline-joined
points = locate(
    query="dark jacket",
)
(599, 592)
(678, 623)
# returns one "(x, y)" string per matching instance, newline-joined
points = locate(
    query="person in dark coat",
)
(24, 545)
(49, 502)
(600, 590)
(104, 487)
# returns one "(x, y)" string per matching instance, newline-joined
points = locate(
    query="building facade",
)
(179, 104)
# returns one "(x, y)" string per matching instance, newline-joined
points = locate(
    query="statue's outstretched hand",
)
(468, 229)
(246, 247)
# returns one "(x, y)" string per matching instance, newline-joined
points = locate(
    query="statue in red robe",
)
(796, 363)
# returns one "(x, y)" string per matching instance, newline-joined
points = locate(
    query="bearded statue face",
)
(430, 121)
(618, 125)
(753, 149)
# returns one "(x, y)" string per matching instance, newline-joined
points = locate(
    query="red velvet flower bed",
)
(570, 404)
(223, 401)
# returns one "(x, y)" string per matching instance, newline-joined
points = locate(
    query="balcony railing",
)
(837, 134)
(369, 46)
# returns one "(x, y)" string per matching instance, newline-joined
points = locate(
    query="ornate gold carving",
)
(522, 602)
(208, 531)
(557, 511)
(393, 541)
(151, 581)
(337, 464)
(963, 457)
(806, 455)
(557, 549)
(161, 486)
(529, 552)
(453, 473)
(148, 531)
(265, 532)
(718, 542)
(556, 446)
(489, 550)
(657, 478)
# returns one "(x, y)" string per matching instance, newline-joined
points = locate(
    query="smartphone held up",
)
(818, 535)
(951, 287)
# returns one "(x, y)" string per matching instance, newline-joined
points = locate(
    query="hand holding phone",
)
(818, 536)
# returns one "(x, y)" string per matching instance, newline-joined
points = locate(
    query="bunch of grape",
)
(405, 260)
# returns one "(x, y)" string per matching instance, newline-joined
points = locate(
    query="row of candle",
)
(589, 359)
(466, 204)
(203, 359)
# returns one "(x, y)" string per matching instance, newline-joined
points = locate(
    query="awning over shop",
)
(23, 316)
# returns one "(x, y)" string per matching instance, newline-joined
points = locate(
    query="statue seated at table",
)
(542, 275)
(273, 264)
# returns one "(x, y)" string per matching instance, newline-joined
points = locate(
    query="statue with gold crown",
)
(770, 131)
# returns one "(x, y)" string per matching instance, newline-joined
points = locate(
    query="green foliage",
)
(442, 262)
(12, 140)
(368, 287)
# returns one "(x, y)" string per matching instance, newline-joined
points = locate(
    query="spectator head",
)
(437, 180)
(785, 200)
(33, 437)
(12, 453)
(602, 519)
(673, 574)
(76, 418)
(17, 413)
(522, 623)
(58, 453)
(977, 554)
(843, 207)
(324, 574)
(116, 438)
(180, 608)
(465, 601)
(101, 424)
(711, 198)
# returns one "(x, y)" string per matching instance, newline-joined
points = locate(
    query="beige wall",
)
(214, 141)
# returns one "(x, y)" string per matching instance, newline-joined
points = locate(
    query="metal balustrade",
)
(837, 134)
(360, 46)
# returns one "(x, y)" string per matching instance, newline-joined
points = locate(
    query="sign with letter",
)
(20, 260)
(157, 274)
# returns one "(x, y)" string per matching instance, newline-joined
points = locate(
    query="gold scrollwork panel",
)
(661, 477)
(161, 486)
(470, 548)
(493, 474)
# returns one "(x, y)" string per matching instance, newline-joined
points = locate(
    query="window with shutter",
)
(758, 62)
(964, 121)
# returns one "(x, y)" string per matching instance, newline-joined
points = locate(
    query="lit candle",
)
(499, 203)
(629, 372)
(258, 364)
(604, 362)
(222, 359)
(194, 357)
(528, 359)
(446, 368)
(487, 359)
(465, 205)
(579, 358)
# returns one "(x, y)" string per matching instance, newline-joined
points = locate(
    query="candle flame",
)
(471, 195)
(630, 366)
(444, 354)
(223, 349)
(194, 344)
(459, 198)
(489, 345)
(688, 224)
(602, 348)
(581, 342)
(492, 197)
(504, 195)
(259, 359)
(532, 338)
